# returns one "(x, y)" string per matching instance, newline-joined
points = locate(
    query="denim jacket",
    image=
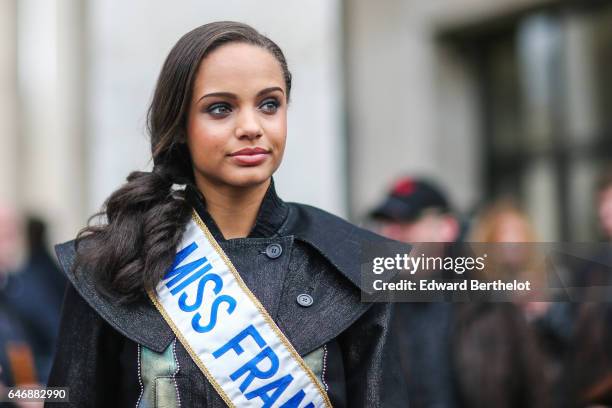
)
(113, 355)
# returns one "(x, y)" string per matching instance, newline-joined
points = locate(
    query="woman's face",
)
(237, 123)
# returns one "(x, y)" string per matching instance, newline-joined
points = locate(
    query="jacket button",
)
(273, 251)
(305, 300)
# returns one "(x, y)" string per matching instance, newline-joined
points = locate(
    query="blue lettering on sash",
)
(178, 288)
(180, 257)
(279, 386)
(234, 343)
(268, 393)
(179, 277)
(195, 321)
(254, 371)
(178, 273)
(216, 279)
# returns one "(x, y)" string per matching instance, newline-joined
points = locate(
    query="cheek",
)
(280, 140)
(205, 138)
(391, 231)
(420, 231)
(276, 130)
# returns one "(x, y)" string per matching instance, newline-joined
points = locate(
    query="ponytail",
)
(130, 253)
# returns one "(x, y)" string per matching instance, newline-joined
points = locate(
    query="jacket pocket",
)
(166, 393)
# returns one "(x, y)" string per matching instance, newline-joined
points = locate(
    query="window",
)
(546, 109)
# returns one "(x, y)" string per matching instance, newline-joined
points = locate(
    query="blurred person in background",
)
(11, 241)
(41, 263)
(415, 211)
(11, 329)
(35, 292)
(509, 348)
(495, 357)
(589, 356)
(17, 360)
(473, 354)
(504, 222)
(31, 290)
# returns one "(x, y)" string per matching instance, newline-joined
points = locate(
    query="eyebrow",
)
(233, 96)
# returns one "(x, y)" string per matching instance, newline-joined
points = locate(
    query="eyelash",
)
(214, 106)
(272, 101)
(211, 108)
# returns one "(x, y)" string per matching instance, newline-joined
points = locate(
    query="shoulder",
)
(138, 321)
(342, 243)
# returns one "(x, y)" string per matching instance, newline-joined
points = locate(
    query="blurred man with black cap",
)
(416, 211)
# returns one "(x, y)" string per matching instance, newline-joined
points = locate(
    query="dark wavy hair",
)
(142, 222)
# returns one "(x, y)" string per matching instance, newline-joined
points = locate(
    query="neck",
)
(234, 209)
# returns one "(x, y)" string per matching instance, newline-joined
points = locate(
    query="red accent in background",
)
(404, 187)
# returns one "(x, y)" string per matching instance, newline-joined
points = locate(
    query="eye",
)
(270, 106)
(219, 109)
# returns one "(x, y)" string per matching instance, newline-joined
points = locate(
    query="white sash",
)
(227, 331)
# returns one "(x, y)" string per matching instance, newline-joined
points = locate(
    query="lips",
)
(250, 151)
(250, 156)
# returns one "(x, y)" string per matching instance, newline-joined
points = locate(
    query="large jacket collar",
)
(334, 238)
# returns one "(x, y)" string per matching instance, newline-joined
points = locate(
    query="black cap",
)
(408, 199)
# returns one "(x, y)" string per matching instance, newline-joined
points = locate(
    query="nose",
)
(248, 125)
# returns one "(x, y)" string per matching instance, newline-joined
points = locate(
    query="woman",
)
(496, 349)
(504, 224)
(130, 336)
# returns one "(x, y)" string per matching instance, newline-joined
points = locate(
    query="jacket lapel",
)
(140, 321)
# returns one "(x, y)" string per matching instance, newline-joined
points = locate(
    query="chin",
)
(250, 178)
